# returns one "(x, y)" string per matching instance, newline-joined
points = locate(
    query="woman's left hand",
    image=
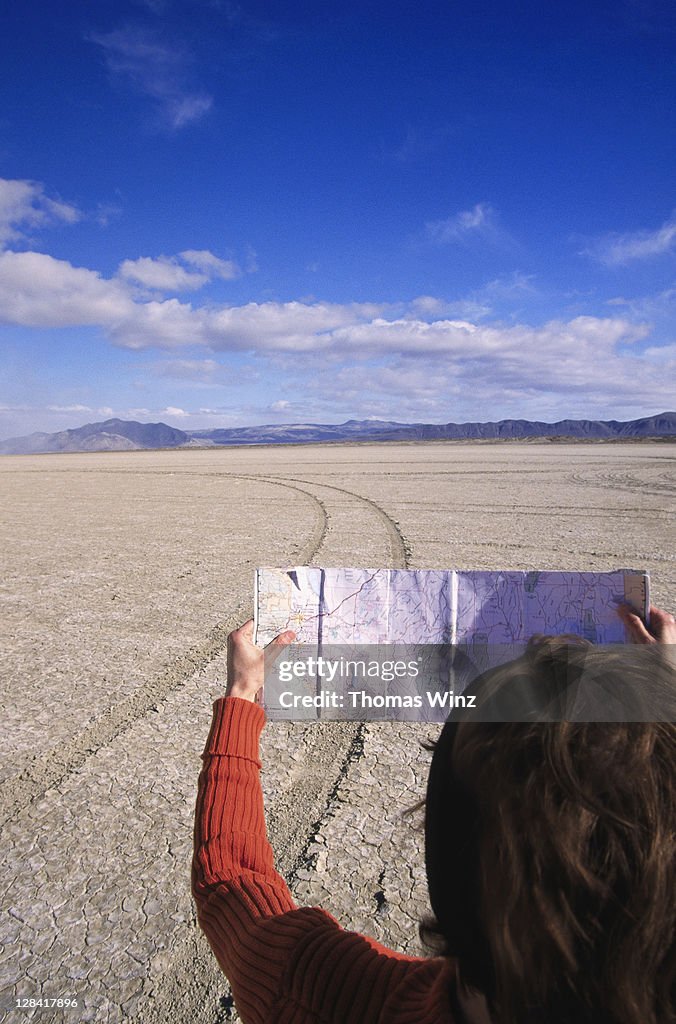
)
(246, 662)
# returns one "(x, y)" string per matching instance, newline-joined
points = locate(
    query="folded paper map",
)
(442, 606)
(406, 644)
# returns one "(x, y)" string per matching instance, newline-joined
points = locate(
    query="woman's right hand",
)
(662, 629)
(246, 661)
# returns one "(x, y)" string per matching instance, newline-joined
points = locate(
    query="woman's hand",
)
(662, 626)
(246, 662)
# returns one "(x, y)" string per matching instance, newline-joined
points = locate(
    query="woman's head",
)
(550, 853)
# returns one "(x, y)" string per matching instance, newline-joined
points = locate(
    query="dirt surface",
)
(122, 575)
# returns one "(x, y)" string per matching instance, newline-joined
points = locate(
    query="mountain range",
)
(128, 435)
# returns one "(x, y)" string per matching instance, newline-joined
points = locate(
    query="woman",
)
(550, 861)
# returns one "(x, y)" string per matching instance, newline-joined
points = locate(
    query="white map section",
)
(436, 606)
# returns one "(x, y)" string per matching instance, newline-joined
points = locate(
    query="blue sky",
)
(219, 214)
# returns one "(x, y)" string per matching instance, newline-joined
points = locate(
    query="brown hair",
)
(550, 857)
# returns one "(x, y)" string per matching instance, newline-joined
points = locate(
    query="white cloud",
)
(107, 212)
(37, 290)
(195, 373)
(286, 327)
(251, 264)
(661, 353)
(162, 274)
(171, 410)
(183, 110)
(281, 406)
(509, 285)
(157, 70)
(414, 353)
(209, 264)
(69, 408)
(24, 205)
(654, 307)
(427, 307)
(171, 273)
(619, 249)
(10, 409)
(479, 222)
(442, 371)
(545, 386)
(505, 291)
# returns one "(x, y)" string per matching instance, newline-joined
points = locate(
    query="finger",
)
(636, 628)
(660, 618)
(276, 646)
(287, 637)
(243, 633)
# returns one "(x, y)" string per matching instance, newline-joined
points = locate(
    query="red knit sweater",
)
(288, 965)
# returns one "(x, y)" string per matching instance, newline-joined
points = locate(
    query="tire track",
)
(194, 986)
(400, 554)
(627, 483)
(514, 545)
(51, 766)
(400, 550)
(569, 512)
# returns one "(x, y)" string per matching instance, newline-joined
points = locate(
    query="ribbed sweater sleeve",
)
(284, 964)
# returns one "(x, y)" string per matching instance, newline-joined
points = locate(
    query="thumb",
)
(283, 639)
(637, 630)
(659, 622)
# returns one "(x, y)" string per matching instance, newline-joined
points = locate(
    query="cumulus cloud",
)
(617, 250)
(37, 290)
(172, 273)
(154, 69)
(539, 383)
(504, 293)
(418, 352)
(24, 205)
(411, 370)
(162, 274)
(479, 222)
(283, 326)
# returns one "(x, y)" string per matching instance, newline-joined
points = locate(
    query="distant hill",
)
(112, 435)
(661, 425)
(128, 435)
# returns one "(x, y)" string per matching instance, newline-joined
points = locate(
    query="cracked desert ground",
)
(123, 574)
